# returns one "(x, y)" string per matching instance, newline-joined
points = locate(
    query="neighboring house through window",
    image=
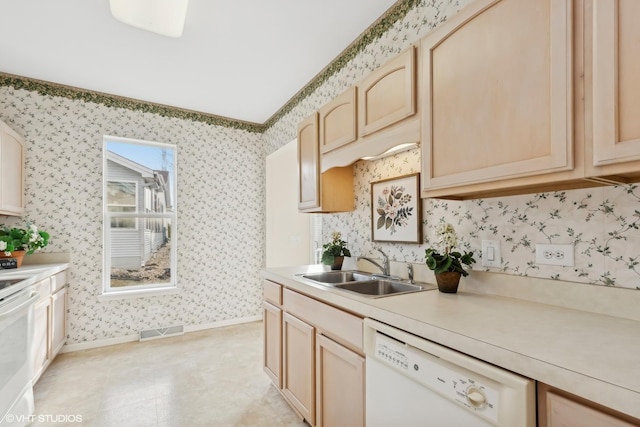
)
(139, 215)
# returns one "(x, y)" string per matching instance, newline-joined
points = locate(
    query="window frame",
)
(140, 215)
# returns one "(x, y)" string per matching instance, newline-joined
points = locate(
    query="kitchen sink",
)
(365, 284)
(334, 277)
(380, 287)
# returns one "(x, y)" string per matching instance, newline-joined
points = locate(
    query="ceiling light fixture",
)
(393, 150)
(164, 17)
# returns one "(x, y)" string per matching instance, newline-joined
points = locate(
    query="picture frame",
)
(396, 210)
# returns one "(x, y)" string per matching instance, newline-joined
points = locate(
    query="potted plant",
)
(447, 266)
(335, 251)
(18, 242)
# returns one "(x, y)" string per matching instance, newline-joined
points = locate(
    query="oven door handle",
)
(12, 308)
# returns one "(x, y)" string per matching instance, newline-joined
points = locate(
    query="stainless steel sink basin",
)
(380, 287)
(334, 277)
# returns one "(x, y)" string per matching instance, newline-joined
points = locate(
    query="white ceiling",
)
(242, 59)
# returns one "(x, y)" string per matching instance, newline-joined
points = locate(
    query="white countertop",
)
(592, 355)
(29, 275)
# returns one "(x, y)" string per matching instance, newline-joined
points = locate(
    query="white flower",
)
(3, 245)
(33, 228)
(446, 235)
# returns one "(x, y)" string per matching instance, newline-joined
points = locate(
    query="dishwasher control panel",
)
(471, 390)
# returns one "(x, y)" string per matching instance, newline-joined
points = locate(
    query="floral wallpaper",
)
(221, 195)
(603, 223)
(220, 207)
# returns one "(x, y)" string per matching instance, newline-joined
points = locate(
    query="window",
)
(139, 187)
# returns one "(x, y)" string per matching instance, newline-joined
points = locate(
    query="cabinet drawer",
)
(343, 327)
(272, 292)
(58, 281)
(43, 287)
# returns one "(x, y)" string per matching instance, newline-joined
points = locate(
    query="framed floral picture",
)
(396, 213)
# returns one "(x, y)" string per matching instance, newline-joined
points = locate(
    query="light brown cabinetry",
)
(11, 171)
(387, 95)
(497, 95)
(50, 313)
(272, 324)
(557, 408)
(322, 370)
(387, 102)
(338, 121)
(339, 384)
(298, 379)
(613, 88)
(331, 191)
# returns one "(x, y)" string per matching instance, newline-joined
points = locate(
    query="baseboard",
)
(69, 348)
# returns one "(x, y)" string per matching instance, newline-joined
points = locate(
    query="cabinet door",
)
(561, 411)
(387, 95)
(58, 320)
(308, 164)
(616, 87)
(338, 121)
(340, 385)
(298, 353)
(11, 172)
(497, 93)
(41, 347)
(272, 351)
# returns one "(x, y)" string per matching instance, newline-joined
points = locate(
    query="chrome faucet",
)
(385, 262)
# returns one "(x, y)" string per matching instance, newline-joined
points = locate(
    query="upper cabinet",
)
(11, 172)
(497, 88)
(613, 87)
(338, 121)
(331, 191)
(386, 107)
(387, 95)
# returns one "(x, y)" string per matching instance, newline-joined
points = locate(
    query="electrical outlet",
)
(554, 255)
(491, 256)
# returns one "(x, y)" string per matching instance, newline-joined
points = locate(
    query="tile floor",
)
(206, 378)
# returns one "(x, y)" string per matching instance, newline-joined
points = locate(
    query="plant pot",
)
(448, 281)
(337, 263)
(18, 255)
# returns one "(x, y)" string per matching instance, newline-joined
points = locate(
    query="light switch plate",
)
(554, 255)
(491, 256)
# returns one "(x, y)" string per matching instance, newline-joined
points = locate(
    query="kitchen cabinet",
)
(272, 324)
(612, 91)
(11, 171)
(557, 408)
(331, 191)
(497, 96)
(387, 95)
(339, 385)
(50, 330)
(338, 121)
(298, 380)
(322, 371)
(387, 106)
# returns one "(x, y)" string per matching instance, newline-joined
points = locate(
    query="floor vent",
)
(153, 334)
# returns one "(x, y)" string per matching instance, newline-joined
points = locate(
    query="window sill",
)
(140, 293)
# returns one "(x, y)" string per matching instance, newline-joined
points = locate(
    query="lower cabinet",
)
(339, 384)
(50, 318)
(557, 408)
(272, 351)
(317, 361)
(298, 379)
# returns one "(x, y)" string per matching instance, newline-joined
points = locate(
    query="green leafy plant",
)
(336, 247)
(28, 239)
(449, 260)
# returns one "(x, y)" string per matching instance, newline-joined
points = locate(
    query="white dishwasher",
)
(411, 381)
